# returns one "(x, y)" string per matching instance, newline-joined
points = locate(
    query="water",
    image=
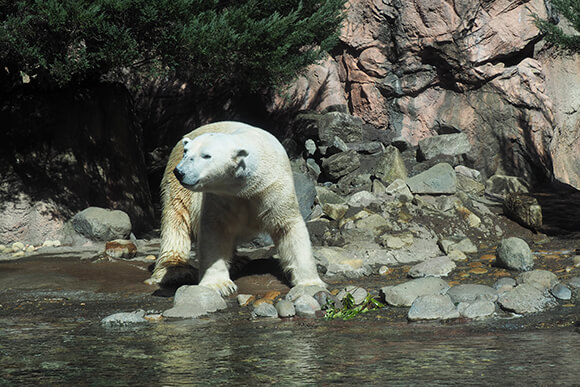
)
(224, 351)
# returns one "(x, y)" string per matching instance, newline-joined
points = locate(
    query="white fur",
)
(240, 183)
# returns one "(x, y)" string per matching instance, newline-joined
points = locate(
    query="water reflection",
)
(205, 352)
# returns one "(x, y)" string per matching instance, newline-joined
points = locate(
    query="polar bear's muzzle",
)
(181, 177)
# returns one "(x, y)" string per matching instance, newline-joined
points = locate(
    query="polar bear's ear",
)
(186, 141)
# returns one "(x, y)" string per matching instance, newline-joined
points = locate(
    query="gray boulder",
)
(265, 309)
(497, 186)
(285, 308)
(390, 166)
(305, 193)
(515, 254)
(439, 179)
(526, 298)
(454, 144)
(404, 294)
(433, 307)
(471, 292)
(194, 301)
(306, 306)
(541, 279)
(476, 309)
(102, 224)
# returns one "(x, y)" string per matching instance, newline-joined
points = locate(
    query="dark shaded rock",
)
(523, 209)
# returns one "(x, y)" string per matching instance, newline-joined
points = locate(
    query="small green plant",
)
(570, 10)
(349, 309)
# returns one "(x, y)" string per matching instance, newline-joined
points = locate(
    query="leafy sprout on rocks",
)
(349, 309)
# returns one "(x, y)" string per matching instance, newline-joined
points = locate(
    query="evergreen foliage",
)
(236, 44)
(570, 9)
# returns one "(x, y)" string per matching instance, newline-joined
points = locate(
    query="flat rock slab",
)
(434, 267)
(194, 301)
(471, 292)
(526, 298)
(433, 307)
(405, 293)
(440, 179)
(124, 319)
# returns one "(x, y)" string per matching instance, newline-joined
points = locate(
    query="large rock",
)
(455, 144)
(433, 307)
(514, 253)
(404, 294)
(390, 166)
(102, 224)
(440, 179)
(434, 267)
(526, 298)
(194, 301)
(472, 292)
(340, 164)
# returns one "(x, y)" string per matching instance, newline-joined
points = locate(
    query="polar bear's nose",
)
(178, 174)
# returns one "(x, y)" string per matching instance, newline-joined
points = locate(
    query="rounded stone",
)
(285, 308)
(515, 254)
(561, 292)
(265, 310)
(306, 306)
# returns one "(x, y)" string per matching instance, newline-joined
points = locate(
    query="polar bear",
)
(224, 182)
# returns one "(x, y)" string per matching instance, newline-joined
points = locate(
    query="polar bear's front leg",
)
(296, 256)
(215, 248)
(178, 223)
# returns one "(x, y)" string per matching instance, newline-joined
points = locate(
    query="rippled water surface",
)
(222, 352)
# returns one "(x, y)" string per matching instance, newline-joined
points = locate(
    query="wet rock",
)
(523, 209)
(526, 298)
(498, 186)
(561, 292)
(476, 309)
(265, 310)
(439, 179)
(454, 144)
(306, 306)
(434, 267)
(101, 224)
(194, 301)
(404, 294)
(471, 292)
(340, 164)
(504, 284)
(390, 166)
(120, 248)
(432, 307)
(358, 294)
(515, 254)
(399, 189)
(285, 308)
(298, 291)
(541, 279)
(124, 319)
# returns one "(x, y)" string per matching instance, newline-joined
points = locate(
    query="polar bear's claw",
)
(224, 288)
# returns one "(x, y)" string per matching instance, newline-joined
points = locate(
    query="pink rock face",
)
(420, 68)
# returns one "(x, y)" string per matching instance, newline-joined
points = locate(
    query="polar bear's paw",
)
(224, 287)
(312, 282)
(173, 276)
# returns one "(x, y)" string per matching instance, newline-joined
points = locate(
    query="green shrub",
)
(570, 9)
(232, 44)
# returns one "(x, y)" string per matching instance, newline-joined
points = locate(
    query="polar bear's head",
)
(214, 162)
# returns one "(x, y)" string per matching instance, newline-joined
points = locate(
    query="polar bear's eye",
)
(205, 156)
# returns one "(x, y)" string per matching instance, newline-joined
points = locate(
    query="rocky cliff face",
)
(420, 69)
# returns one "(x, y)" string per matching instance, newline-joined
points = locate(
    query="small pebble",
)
(323, 298)
(561, 292)
(574, 282)
(30, 249)
(383, 270)
(151, 258)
